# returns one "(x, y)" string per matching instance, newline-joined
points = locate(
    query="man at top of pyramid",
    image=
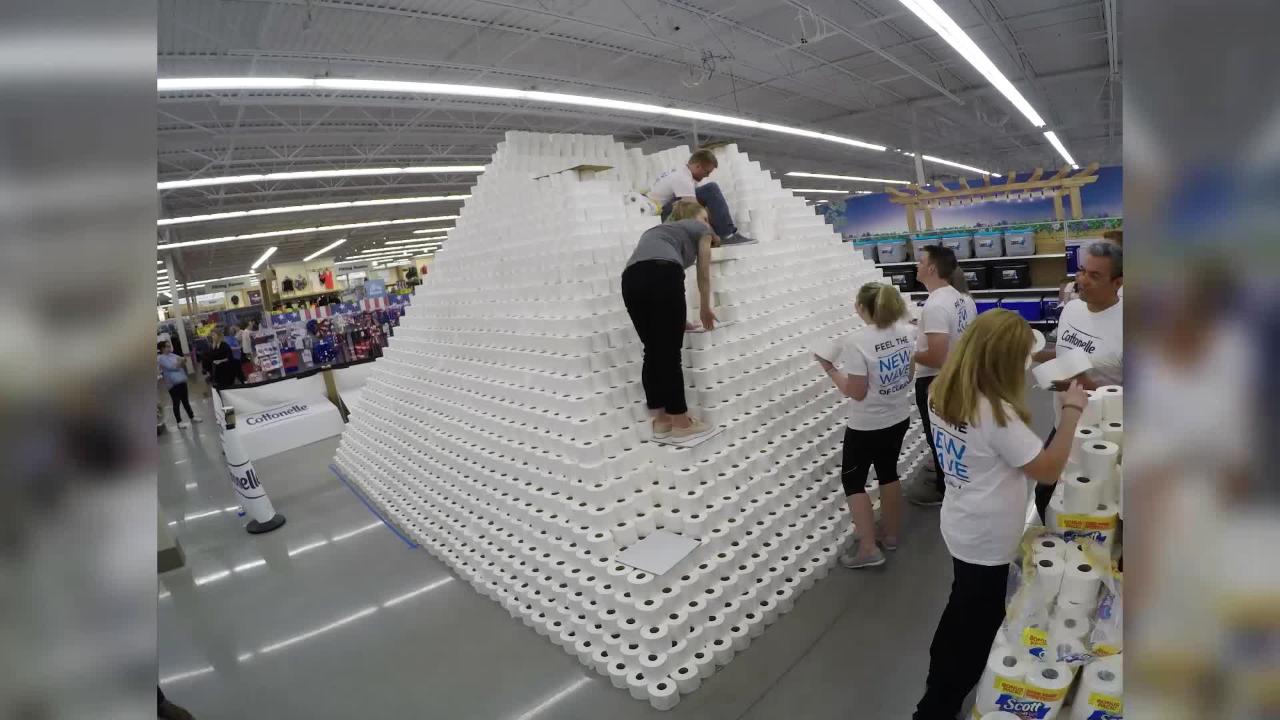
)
(686, 183)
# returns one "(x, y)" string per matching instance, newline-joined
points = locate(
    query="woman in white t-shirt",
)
(987, 453)
(877, 360)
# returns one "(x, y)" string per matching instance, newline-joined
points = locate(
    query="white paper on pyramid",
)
(504, 427)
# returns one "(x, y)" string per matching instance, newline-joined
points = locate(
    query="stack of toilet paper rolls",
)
(1015, 683)
(505, 426)
(1085, 505)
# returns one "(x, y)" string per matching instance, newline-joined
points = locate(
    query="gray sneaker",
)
(738, 239)
(849, 560)
(924, 492)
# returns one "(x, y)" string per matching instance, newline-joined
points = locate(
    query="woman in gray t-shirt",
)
(653, 291)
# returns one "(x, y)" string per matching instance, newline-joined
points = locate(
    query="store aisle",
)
(334, 616)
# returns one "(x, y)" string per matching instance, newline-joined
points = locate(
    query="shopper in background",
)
(173, 369)
(979, 420)
(1093, 323)
(945, 315)
(877, 360)
(653, 292)
(685, 183)
(223, 367)
(245, 337)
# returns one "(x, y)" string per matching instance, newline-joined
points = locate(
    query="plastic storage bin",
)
(988, 244)
(890, 250)
(904, 279)
(960, 243)
(1011, 276)
(867, 248)
(1019, 241)
(978, 277)
(919, 241)
(985, 305)
(1030, 308)
(1075, 249)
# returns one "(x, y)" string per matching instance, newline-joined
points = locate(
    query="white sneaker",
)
(184, 424)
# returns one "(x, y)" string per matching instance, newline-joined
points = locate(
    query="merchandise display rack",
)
(505, 428)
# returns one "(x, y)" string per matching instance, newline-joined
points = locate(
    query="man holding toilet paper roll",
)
(944, 317)
(986, 451)
(1093, 324)
(653, 293)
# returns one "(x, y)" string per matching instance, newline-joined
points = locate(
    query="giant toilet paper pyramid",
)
(505, 428)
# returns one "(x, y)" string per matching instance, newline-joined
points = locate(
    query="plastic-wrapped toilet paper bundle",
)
(1001, 715)
(1082, 492)
(1050, 546)
(1101, 691)
(1046, 690)
(1048, 579)
(1071, 620)
(1080, 584)
(1112, 402)
(1005, 671)
(663, 694)
(1064, 367)
(1098, 460)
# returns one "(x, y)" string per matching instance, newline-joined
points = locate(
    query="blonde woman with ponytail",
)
(988, 454)
(877, 379)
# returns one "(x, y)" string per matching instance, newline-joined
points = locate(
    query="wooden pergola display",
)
(1062, 184)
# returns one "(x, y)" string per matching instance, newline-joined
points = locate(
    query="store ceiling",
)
(866, 69)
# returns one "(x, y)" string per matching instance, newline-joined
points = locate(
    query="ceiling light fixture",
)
(854, 178)
(413, 240)
(270, 251)
(316, 174)
(950, 163)
(1052, 137)
(304, 231)
(816, 190)
(323, 250)
(431, 230)
(215, 84)
(307, 208)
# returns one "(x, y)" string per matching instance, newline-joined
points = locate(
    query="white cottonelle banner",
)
(283, 415)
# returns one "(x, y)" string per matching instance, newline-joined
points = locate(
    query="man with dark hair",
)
(686, 183)
(944, 317)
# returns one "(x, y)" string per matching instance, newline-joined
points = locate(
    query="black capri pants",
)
(653, 292)
(864, 449)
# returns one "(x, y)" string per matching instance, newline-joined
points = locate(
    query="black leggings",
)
(1044, 493)
(178, 394)
(922, 404)
(865, 448)
(962, 642)
(653, 292)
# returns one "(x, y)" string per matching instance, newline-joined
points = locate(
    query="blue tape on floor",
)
(372, 509)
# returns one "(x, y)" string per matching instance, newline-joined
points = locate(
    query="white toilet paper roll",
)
(740, 636)
(1083, 492)
(722, 649)
(1076, 457)
(618, 674)
(1113, 432)
(1001, 715)
(1092, 414)
(1048, 579)
(638, 684)
(1098, 460)
(663, 694)
(1113, 402)
(1080, 584)
(1101, 691)
(1048, 684)
(1072, 620)
(600, 658)
(654, 663)
(1004, 666)
(1050, 546)
(687, 678)
(1064, 367)
(705, 660)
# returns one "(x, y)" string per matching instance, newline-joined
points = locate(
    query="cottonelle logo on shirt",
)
(1078, 338)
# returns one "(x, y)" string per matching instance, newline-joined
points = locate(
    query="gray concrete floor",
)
(334, 616)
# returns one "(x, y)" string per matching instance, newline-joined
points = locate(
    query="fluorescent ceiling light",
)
(413, 240)
(308, 208)
(1052, 137)
(304, 231)
(316, 174)
(816, 190)
(383, 250)
(962, 166)
(854, 178)
(323, 250)
(270, 251)
(431, 230)
(941, 22)
(159, 262)
(215, 84)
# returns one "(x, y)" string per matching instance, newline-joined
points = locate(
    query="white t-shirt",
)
(884, 357)
(949, 311)
(674, 183)
(1100, 335)
(985, 506)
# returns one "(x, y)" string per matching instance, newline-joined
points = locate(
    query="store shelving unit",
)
(1002, 291)
(1038, 256)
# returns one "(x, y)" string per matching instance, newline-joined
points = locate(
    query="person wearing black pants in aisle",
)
(987, 452)
(653, 292)
(945, 315)
(173, 370)
(877, 361)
